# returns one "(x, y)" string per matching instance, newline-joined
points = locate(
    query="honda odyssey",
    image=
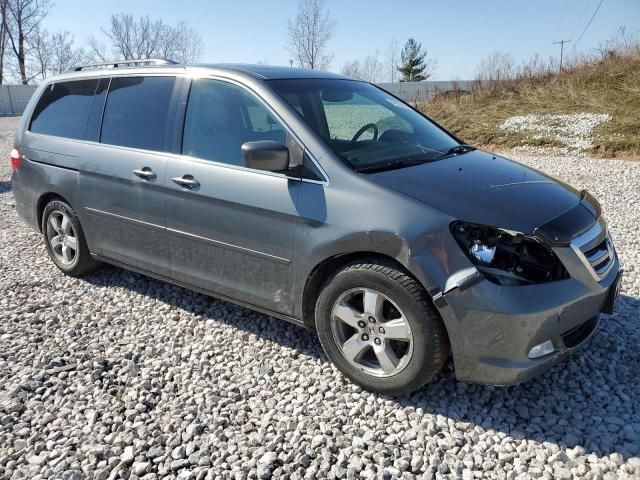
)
(321, 200)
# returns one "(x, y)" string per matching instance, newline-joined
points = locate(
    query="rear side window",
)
(136, 112)
(63, 109)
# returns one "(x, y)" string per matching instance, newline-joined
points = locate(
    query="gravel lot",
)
(574, 130)
(117, 375)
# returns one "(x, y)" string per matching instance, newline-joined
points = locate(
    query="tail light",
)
(15, 158)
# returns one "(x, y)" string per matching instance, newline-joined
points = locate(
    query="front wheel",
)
(378, 326)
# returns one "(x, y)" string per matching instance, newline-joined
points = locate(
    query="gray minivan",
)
(321, 200)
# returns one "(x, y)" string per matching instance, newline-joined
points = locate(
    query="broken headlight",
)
(506, 257)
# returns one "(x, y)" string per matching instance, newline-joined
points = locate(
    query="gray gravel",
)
(117, 375)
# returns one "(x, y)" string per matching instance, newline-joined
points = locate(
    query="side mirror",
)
(265, 155)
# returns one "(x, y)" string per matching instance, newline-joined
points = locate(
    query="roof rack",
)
(124, 63)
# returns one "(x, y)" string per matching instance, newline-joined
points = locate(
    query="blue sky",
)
(458, 34)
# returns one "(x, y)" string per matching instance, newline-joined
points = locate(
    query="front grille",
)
(600, 256)
(595, 250)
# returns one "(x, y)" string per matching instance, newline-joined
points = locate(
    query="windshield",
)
(364, 125)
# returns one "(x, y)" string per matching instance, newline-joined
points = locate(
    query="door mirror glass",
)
(265, 155)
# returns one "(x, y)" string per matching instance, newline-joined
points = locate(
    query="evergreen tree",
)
(413, 62)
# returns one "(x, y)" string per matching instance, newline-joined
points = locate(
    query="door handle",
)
(186, 181)
(145, 173)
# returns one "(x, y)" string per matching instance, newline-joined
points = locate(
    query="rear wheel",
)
(65, 240)
(380, 329)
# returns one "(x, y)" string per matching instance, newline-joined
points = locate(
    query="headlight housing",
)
(508, 258)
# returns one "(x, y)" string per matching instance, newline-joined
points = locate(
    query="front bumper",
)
(492, 328)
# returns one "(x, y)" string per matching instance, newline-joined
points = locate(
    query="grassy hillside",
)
(608, 86)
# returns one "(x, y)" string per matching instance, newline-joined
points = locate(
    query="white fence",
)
(415, 92)
(14, 98)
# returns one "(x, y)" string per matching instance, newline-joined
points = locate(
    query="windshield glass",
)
(364, 125)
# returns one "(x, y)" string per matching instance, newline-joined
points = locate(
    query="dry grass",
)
(610, 85)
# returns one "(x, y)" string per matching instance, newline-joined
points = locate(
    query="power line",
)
(587, 26)
(562, 17)
(561, 43)
(581, 14)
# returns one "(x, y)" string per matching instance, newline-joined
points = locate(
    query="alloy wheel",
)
(62, 237)
(371, 332)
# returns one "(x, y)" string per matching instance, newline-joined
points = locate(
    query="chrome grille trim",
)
(597, 238)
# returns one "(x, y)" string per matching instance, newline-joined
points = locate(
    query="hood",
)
(482, 188)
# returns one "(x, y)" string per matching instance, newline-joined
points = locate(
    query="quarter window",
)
(136, 112)
(221, 117)
(63, 109)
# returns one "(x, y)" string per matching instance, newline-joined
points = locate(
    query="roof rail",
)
(124, 63)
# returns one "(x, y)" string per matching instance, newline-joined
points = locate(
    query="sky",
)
(458, 34)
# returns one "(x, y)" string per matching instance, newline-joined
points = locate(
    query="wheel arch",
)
(323, 271)
(42, 202)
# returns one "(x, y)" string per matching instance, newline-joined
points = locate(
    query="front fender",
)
(337, 223)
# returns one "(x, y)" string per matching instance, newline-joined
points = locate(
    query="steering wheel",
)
(364, 129)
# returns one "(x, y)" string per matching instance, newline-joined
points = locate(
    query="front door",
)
(230, 228)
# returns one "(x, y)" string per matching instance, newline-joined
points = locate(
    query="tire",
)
(65, 241)
(406, 358)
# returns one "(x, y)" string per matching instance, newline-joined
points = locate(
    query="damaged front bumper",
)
(504, 335)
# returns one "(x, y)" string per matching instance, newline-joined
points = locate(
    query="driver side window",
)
(346, 118)
(220, 117)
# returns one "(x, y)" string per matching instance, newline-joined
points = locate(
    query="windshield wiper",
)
(400, 163)
(457, 150)
(415, 160)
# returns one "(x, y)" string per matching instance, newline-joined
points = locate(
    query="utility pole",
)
(561, 43)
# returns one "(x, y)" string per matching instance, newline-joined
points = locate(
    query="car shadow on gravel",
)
(250, 321)
(5, 186)
(579, 403)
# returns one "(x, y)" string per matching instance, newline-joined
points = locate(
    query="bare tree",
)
(64, 54)
(392, 57)
(36, 54)
(372, 69)
(39, 56)
(3, 37)
(351, 68)
(497, 67)
(369, 70)
(144, 37)
(188, 44)
(535, 67)
(168, 40)
(50, 54)
(97, 50)
(309, 35)
(621, 42)
(21, 21)
(131, 38)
